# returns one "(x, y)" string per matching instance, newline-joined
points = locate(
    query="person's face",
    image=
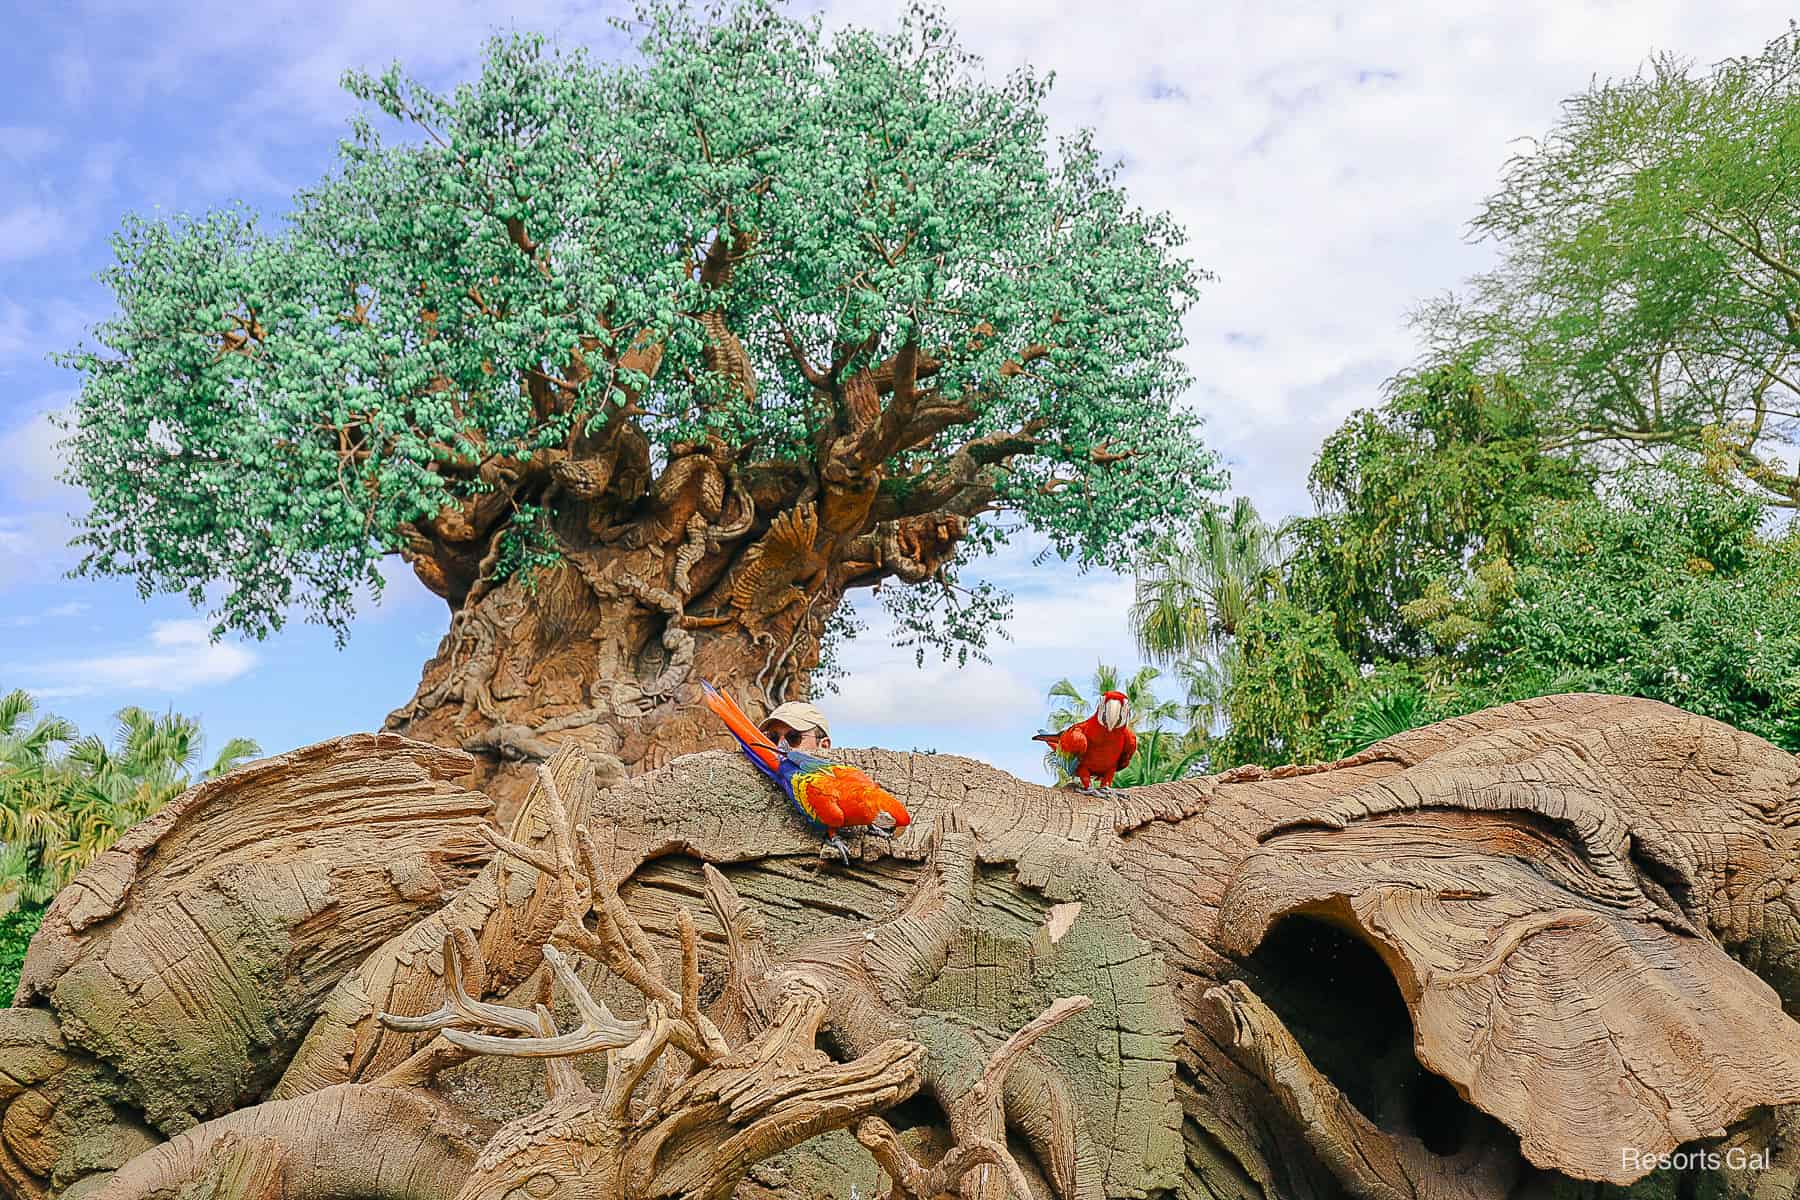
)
(783, 734)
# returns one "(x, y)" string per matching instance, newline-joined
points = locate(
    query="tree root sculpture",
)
(1515, 956)
(730, 1107)
(980, 1125)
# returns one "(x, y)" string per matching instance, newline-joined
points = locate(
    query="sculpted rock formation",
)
(1516, 955)
(173, 979)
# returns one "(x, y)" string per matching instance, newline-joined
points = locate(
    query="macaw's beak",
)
(1113, 713)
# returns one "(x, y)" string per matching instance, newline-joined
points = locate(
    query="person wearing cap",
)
(798, 726)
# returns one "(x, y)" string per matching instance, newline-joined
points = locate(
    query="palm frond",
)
(231, 754)
(1384, 715)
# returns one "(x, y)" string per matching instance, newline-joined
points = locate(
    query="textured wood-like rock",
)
(1467, 964)
(181, 968)
(1609, 832)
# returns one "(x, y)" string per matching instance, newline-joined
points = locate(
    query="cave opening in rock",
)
(1341, 1003)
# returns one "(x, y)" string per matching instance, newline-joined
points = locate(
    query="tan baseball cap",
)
(797, 714)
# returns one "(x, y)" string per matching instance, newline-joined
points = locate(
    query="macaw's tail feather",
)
(755, 745)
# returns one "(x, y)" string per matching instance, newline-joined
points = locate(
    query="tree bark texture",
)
(1516, 955)
(172, 980)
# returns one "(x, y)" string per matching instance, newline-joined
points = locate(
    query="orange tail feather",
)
(741, 726)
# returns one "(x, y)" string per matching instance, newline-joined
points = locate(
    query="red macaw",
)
(1100, 745)
(830, 796)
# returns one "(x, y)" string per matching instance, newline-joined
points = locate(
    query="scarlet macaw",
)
(1100, 745)
(830, 796)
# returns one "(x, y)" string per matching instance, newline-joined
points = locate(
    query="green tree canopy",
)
(1288, 679)
(1446, 472)
(842, 265)
(1572, 488)
(1650, 271)
(1668, 588)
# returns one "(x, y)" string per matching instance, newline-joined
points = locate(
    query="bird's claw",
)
(878, 831)
(837, 843)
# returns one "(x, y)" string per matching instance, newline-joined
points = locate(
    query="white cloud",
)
(36, 529)
(894, 694)
(33, 461)
(188, 631)
(23, 143)
(1324, 161)
(28, 231)
(1079, 613)
(179, 657)
(56, 611)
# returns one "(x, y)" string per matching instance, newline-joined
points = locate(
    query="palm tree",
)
(1149, 714)
(1194, 590)
(1384, 714)
(84, 799)
(33, 817)
(1206, 682)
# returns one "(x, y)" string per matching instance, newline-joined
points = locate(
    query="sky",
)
(1323, 159)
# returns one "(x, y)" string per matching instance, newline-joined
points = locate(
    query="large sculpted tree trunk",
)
(603, 649)
(714, 572)
(1515, 956)
(642, 365)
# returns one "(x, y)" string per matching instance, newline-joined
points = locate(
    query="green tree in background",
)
(642, 365)
(1446, 472)
(33, 788)
(1668, 588)
(1572, 489)
(1194, 588)
(64, 798)
(1649, 281)
(1289, 678)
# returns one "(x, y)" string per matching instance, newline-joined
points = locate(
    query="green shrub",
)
(16, 928)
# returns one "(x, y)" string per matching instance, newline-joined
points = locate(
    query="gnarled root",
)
(978, 1123)
(772, 1095)
(727, 1110)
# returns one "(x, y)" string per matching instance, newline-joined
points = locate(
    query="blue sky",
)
(1323, 159)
